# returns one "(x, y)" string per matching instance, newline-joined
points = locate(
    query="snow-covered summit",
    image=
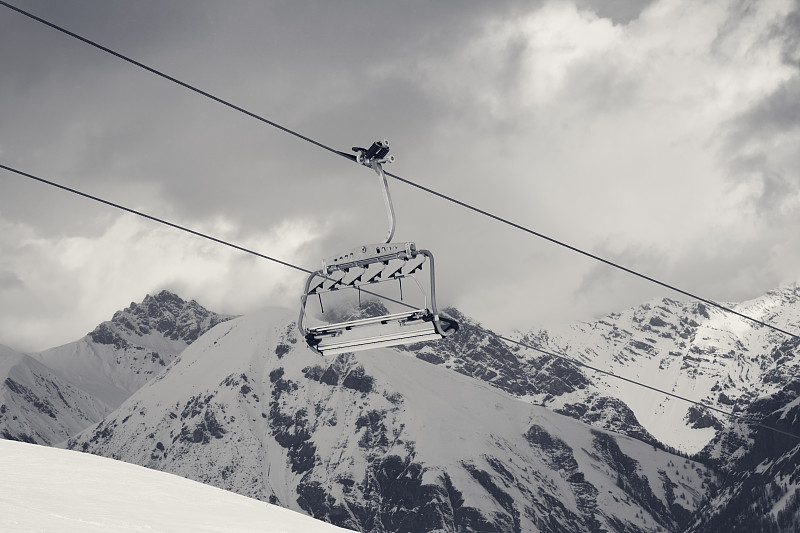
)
(383, 441)
(690, 349)
(122, 354)
(163, 317)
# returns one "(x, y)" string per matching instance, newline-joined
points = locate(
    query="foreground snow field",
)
(52, 490)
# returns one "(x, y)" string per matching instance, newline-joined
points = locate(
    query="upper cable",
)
(480, 211)
(564, 357)
(428, 190)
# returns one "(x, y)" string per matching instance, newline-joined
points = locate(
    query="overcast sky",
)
(663, 135)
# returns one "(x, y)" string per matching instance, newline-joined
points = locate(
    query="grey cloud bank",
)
(661, 135)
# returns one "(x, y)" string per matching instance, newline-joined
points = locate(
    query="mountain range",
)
(49, 396)
(689, 349)
(469, 434)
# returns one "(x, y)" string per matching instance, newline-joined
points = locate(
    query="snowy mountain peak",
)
(36, 405)
(139, 342)
(165, 313)
(381, 440)
(46, 397)
(692, 349)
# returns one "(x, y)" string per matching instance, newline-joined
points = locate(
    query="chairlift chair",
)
(363, 269)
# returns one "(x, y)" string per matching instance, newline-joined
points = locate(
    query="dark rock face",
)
(508, 522)
(287, 340)
(609, 413)
(103, 334)
(201, 423)
(290, 429)
(165, 313)
(206, 429)
(765, 471)
(394, 498)
(473, 352)
(358, 381)
(29, 397)
(699, 419)
(633, 483)
(559, 456)
(340, 370)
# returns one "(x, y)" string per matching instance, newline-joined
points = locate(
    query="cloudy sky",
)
(664, 135)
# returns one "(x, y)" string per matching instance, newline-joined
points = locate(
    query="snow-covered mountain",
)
(448, 436)
(759, 488)
(47, 489)
(689, 349)
(540, 379)
(122, 354)
(36, 405)
(385, 441)
(49, 396)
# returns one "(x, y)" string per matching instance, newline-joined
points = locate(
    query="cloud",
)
(619, 11)
(73, 284)
(760, 141)
(660, 134)
(617, 130)
(10, 281)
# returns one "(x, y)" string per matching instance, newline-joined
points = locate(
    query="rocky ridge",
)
(690, 349)
(38, 406)
(384, 441)
(120, 355)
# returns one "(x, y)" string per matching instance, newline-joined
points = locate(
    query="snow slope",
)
(543, 380)
(47, 489)
(384, 441)
(36, 405)
(689, 349)
(122, 354)
(760, 489)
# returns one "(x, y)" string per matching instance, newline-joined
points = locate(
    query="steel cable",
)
(399, 178)
(486, 331)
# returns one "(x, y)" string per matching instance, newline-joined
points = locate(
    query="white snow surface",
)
(206, 417)
(692, 350)
(52, 490)
(38, 405)
(49, 396)
(124, 353)
(108, 373)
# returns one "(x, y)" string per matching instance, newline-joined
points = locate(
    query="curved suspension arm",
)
(437, 321)
(387, 199)
(301, 321)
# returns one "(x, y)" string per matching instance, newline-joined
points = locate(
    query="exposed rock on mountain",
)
(541, 379)
(760, 489)
(384, 441)
(449, 436)
(120, 355)
(50, 396)
(37, 406)
(690, 349)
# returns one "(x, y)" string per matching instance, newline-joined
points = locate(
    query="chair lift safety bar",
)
(365, 267)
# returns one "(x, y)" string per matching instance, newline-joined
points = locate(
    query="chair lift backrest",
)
(351, 270)
(413, 325)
